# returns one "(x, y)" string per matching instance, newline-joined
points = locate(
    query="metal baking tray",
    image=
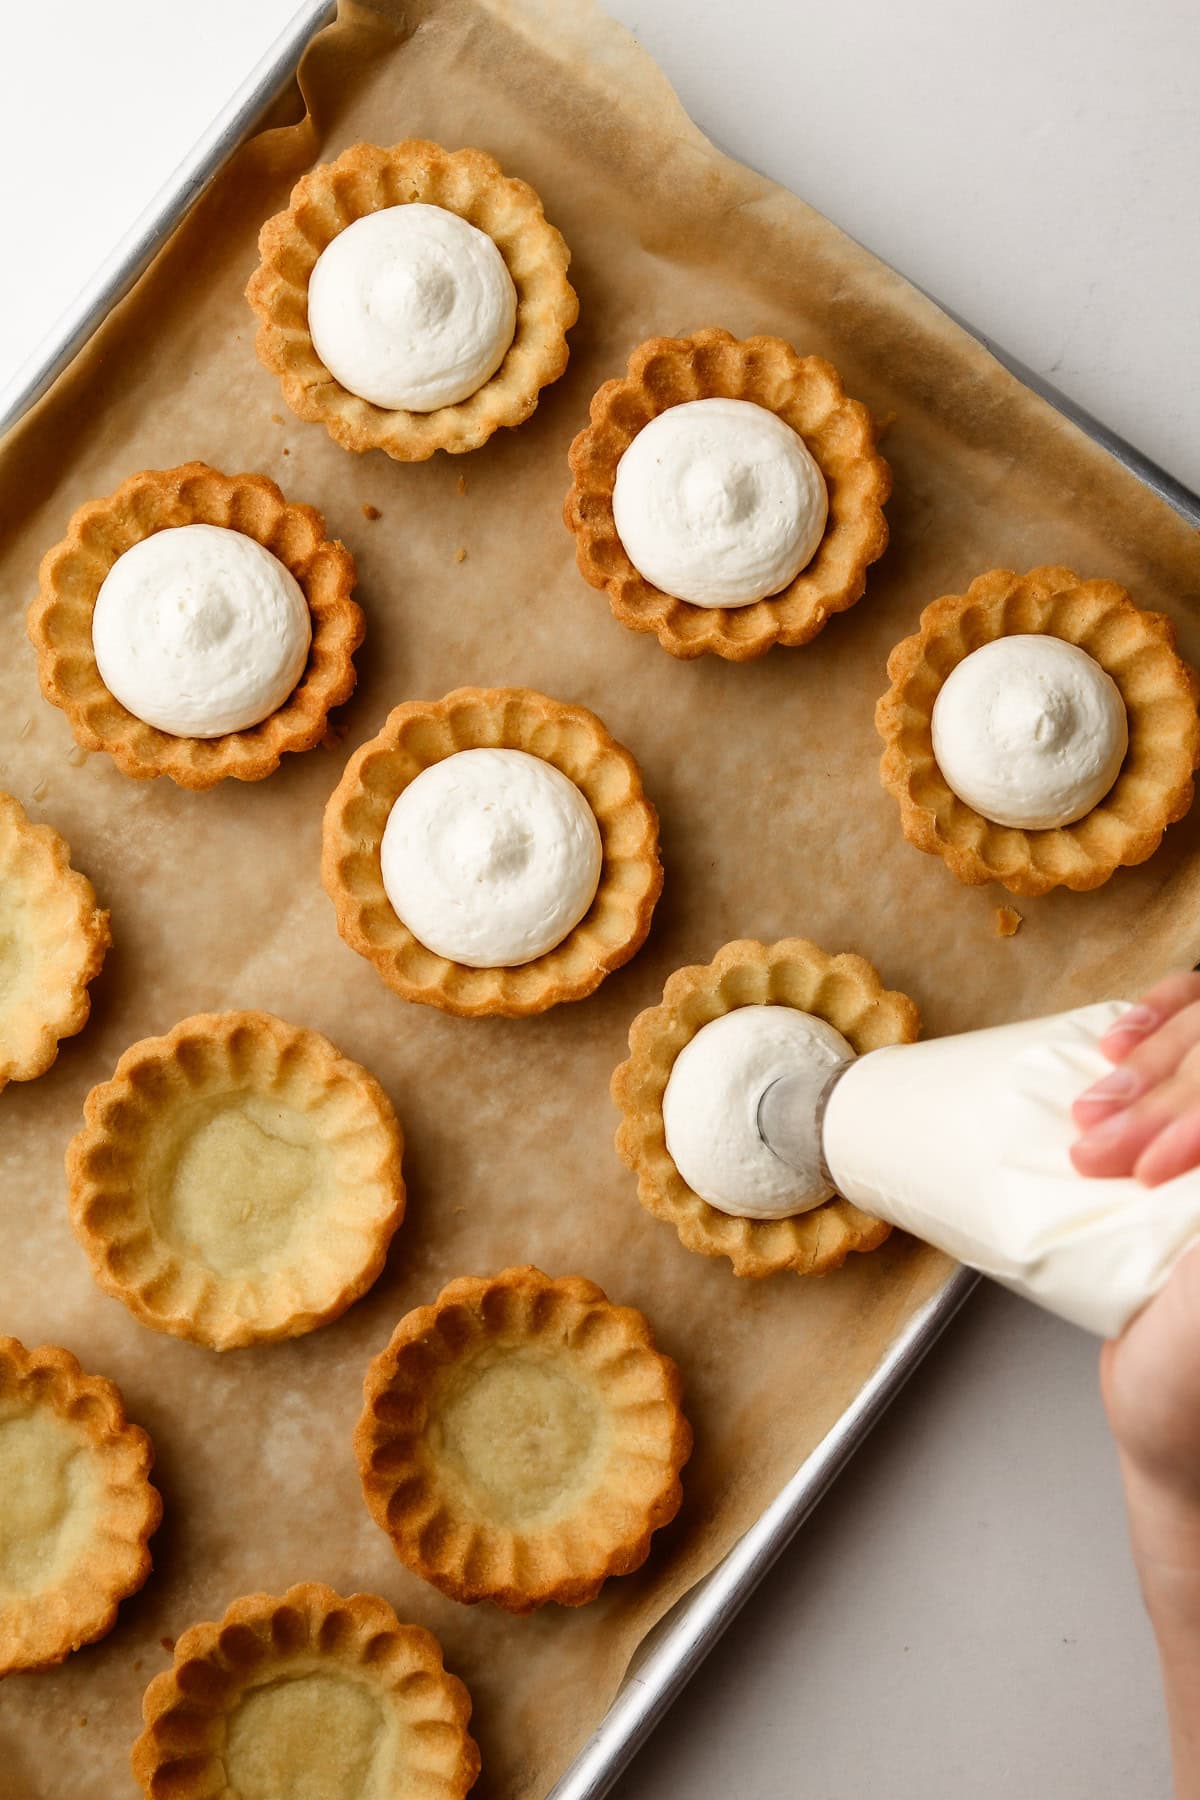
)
(676, 1647)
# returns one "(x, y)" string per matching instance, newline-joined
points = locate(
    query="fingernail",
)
(1104, 1133)
(1119, 1084)
(1136, 1018)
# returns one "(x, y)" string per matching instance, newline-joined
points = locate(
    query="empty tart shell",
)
(365, 179)
(1136, 648)
(308, 1693)
(806, 392)
(71, 575)
(843, 990)
(53, 940)
(78, 1508)
(237, 1180)
(522, 1439)
(574, 741)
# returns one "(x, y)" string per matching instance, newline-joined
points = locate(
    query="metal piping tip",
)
(791, 1113)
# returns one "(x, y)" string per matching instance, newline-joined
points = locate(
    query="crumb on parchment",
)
(370, 512)
(460, 554)
(1008, 921)
(462, 484)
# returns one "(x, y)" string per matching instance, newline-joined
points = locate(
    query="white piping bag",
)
(964, 1142)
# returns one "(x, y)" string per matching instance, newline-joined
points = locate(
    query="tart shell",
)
(148, 1253)
(1160, 691)
(265, 1642)
(42, 1627)
(60, 621)
(843, 990)
(365, 179)
(440, 1523)
(572, 740)
(806, 392)
(54, 925)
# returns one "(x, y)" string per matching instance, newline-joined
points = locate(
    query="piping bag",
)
(964, 1141)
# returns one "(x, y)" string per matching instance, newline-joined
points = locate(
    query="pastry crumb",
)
(461, 484)
(168, 1643)
(1008, 921)
(277, 418)
(370, 512)
(83, 1718)
(286, 451)
(460, 554)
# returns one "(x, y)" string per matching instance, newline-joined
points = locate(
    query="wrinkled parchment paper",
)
(773, 823)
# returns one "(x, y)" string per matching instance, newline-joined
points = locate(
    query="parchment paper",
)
(773, 822)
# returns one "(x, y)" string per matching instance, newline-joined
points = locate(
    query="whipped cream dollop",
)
(491, 857)
(719, 502)
(710, 1109)
(411, 307)
(199, 630)
(1030, 731)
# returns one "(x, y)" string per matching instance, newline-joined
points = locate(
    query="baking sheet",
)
(773, 822)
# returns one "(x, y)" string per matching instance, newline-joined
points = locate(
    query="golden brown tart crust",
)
(522, 1439)
(301, 1684)
(53, 941)
(78, 1510)
(236, 1181)
(1136, 648)
(807, 393)
(60, 621)
(574, 741)
(843, 990)
(365, 179)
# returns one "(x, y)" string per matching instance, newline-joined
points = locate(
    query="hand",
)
(1150, 1378)
(1143, 1118)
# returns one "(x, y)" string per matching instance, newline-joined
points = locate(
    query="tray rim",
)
(674, 1648)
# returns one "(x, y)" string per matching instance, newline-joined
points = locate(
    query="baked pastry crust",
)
(170, 1178)
(364, 179)
(78, 1509)
(807, 393)
(60, 621)
(53, 941)
(573, 740)
(1160, 691)
(843, 990)
(376, 1702)
(522, 1439)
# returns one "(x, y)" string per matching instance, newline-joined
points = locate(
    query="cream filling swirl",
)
(491, 857)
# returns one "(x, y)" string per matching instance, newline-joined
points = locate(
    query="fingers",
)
(1173, 1152)
(1145, 1062)
(1163, 1001)
(1154, 1138)
(1113, 1146)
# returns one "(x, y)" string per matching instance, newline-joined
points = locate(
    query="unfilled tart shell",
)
(306, 1693)
(843, 990)
(1155, 785)
(237, 1180)
(365, 179)
(574, 741)
(807, 393)
(71, 575)
(522, 1439)
(53, 941)
(78, 1507)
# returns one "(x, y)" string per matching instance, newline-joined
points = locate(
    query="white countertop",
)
(960, 1620)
